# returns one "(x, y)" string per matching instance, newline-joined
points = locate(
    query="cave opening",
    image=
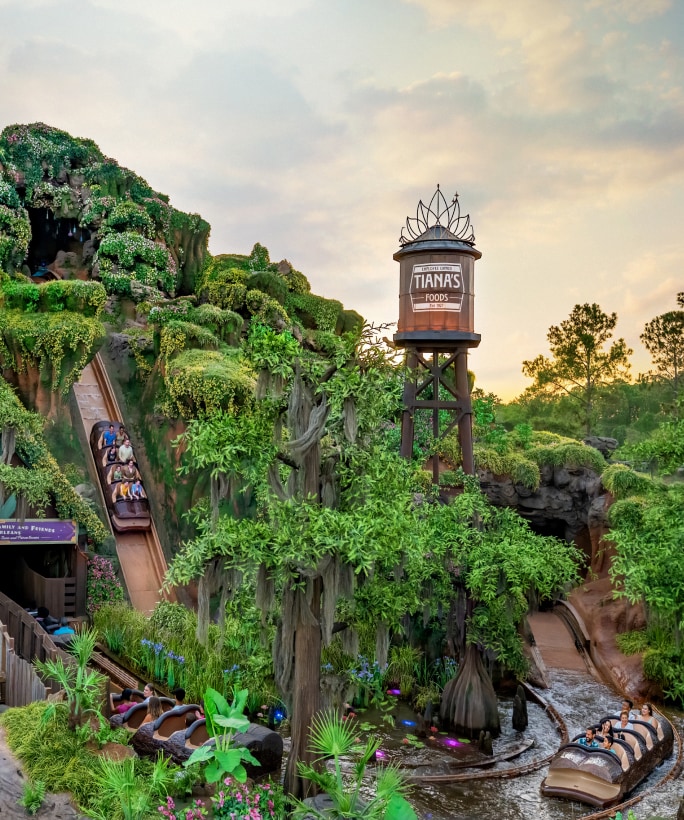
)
(49, 236)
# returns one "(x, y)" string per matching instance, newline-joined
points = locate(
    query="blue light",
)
(409, 722)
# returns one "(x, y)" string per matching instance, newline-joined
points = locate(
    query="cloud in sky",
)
(314, 126)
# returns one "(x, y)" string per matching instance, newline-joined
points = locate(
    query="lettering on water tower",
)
(436, 287)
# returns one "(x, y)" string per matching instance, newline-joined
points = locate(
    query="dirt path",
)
(55, 806)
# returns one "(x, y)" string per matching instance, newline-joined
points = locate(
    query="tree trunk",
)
(306, 691)
(469, 703)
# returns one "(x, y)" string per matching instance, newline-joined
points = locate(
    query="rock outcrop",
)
(565, 504)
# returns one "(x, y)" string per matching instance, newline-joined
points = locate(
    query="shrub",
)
(103, 586)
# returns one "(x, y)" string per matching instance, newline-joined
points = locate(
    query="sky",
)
(316, 126)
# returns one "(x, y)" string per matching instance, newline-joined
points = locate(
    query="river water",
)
(581, 701)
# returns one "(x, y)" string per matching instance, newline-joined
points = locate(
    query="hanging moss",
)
(270, 283)
(129, 216)
(59, 344)
(266, 309)
(85, 298)
(314, 311)
(201, 382)
(15, 235)
(226, 324)
(623, 482)
(570, 454)
(521, 469)
(176, 335)
(349, 321)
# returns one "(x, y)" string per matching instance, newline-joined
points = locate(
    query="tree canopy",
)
(663, 337)
(580, 362)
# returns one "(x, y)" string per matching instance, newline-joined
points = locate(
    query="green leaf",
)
(200, 755)
(238, 723)
(399, 808)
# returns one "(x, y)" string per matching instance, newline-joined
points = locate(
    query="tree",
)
(580, 365)
(330, 503)
(663, 337)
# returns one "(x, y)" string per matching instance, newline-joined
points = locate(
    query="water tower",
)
(436, 322)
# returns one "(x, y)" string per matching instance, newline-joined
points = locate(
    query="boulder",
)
(604, 444)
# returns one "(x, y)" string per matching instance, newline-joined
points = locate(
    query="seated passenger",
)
(121, 436)
(116, 474)
(124, 704)
(125, 451)
(628, 706)
(624, 722)
(608, 744)
(46, 620)
(589, 739)
(124, 491)
(109, 437)
(154, 710)
(647, 715)
(136, 490)
(112, 454)
(607, 727)
(130, 471)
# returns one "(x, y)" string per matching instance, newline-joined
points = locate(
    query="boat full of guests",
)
(603, 765)
(119, 474)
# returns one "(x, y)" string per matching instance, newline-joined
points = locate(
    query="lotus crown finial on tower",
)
(438, 220)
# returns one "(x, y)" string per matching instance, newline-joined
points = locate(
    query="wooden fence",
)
(23, 640)
(20, 684)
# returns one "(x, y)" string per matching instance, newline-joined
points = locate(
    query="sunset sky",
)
(315, 126)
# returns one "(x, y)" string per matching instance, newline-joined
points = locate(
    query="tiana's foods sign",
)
(436, 287)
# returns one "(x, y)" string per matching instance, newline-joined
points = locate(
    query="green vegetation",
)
(224, 721)
(162, 648)
(333, 738)
(649, 567)
(143, 240)
(579, 364)
(42, 479)
(33, 796)
(299, 515)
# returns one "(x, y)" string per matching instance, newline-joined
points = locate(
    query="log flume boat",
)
(603, 778)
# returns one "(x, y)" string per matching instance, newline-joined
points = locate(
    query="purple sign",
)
(45, 530)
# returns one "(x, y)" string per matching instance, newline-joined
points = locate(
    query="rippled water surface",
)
(580, 700)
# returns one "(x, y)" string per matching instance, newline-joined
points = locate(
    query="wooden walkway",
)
(555, 642)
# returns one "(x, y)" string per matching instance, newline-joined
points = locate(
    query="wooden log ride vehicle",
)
(603, 777)
(125, 513)
(133, 718)
(263, 743)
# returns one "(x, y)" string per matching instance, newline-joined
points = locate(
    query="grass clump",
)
(50, 753)
(33, 796)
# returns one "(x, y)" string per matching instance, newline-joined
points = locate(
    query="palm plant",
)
(82, 686)
(331, 737)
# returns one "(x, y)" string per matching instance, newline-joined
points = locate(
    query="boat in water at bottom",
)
(603, 777)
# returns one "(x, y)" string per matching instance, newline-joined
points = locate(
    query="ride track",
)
(140, 553)
(519, 771)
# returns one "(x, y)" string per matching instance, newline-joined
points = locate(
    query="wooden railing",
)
(23, 640)
(58, 595)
